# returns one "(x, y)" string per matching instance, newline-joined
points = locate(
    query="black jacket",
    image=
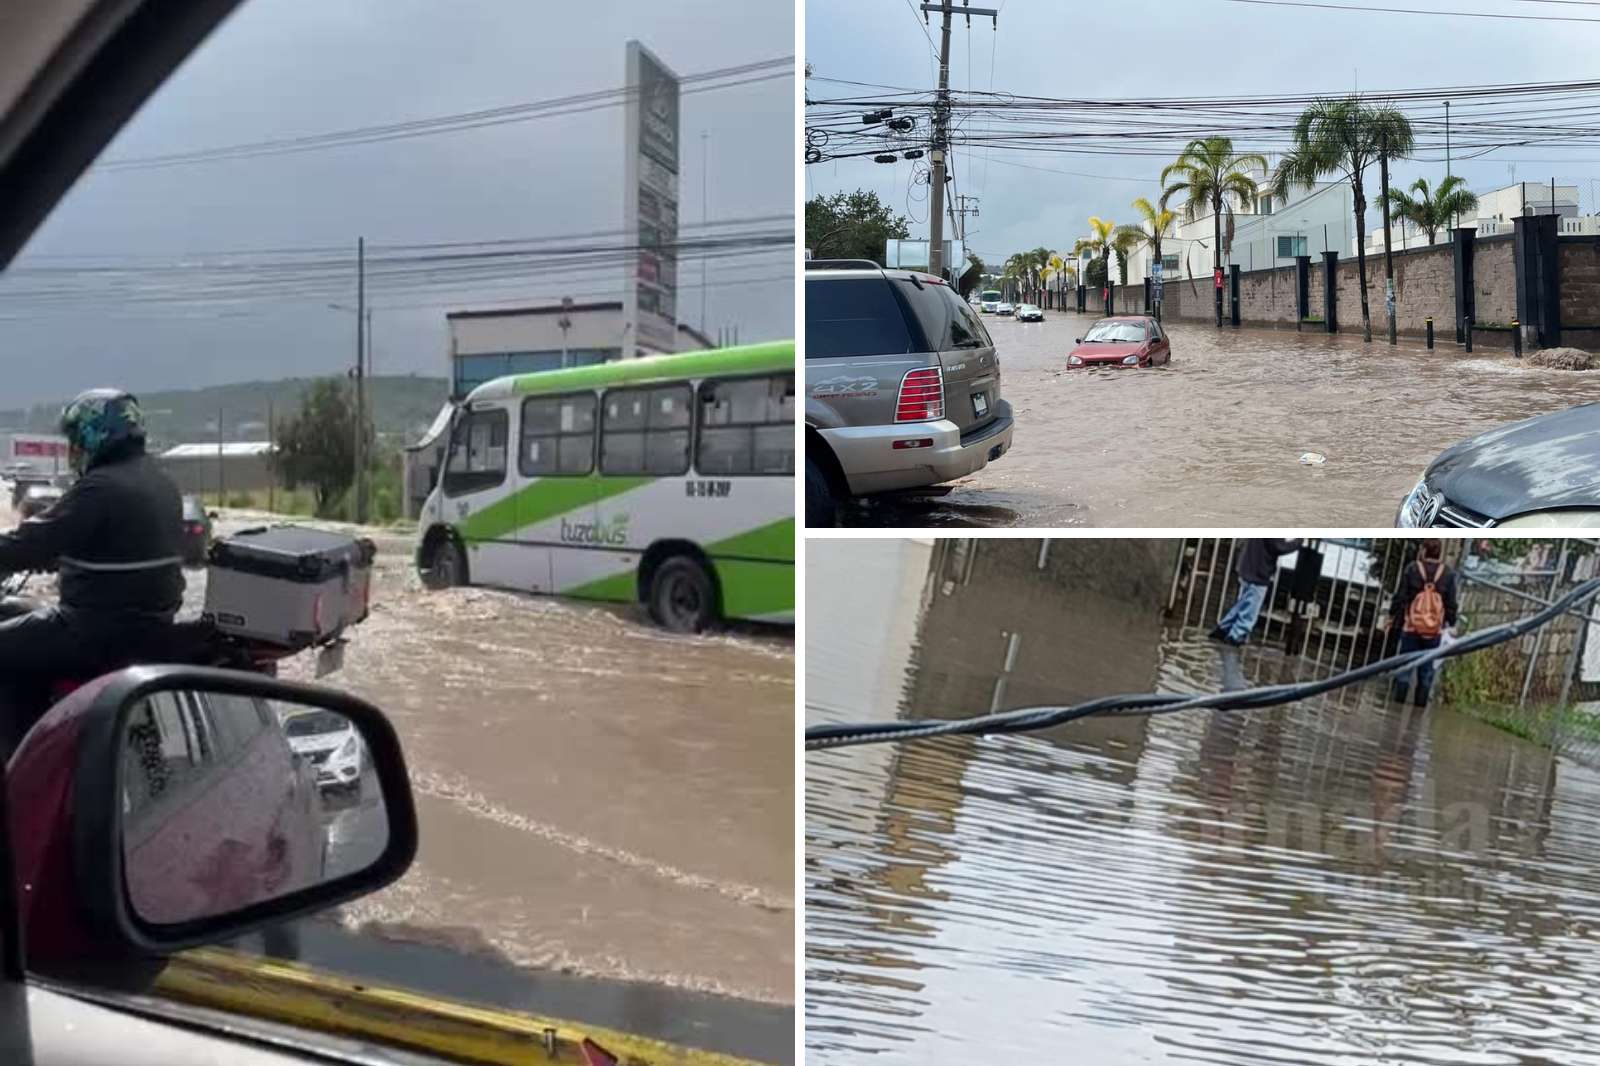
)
(115, 536)
(1259, 560)
(1411, 582)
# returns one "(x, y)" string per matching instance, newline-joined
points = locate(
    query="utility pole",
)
(361, 387)
(963, 210)
(941, 126)
(272, 467)
(705, 219)
(1388, 255)
(1454, 222)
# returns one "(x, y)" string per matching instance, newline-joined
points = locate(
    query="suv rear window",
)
(847, 317)
(945, 317)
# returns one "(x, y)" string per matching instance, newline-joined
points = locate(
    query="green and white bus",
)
(666, 480)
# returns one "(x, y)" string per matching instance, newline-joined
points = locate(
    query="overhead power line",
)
(704, 81)
(1415, 11)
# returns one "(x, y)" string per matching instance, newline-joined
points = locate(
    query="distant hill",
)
(402, 408)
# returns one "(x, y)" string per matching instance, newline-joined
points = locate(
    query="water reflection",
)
(1341, 881)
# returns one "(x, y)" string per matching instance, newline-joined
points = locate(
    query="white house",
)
(1496, 213)
(1269, 234)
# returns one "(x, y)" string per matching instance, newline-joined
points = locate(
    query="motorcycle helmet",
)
(99, 422)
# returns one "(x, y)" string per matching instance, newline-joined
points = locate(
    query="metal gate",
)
(1543, 678)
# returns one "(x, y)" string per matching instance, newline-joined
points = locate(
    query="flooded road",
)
(597, 798)
(1215, 439)
(1343, 881)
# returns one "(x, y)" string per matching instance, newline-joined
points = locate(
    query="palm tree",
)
(1150, 234)
(1433, 209)
(1060, 269)
(1344, 136)
(1210, 177)
(1102, 233)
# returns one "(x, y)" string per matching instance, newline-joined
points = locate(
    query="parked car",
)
(328, 742)
(37, 499)
(196, 531)
(1124, 340)
(1003, 308)
(1030, 313)
(902, 385)
(1540, 472)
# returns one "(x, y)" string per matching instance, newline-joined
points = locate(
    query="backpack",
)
(1425, 615)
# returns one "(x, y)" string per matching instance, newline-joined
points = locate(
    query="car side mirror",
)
(213, 515)
(1077, 340)
(162, 808)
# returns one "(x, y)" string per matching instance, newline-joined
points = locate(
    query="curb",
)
(307, 998)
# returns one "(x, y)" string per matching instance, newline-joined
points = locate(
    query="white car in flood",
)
(329, 741)
(1004, 309)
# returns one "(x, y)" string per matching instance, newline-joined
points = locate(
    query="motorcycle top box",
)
(287, 584)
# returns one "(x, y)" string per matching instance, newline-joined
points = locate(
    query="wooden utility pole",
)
(1388, 253)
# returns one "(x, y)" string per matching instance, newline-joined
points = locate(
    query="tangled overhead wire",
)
(1030, 719)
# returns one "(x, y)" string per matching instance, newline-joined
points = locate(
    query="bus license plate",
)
(980, 404)
(330, 659)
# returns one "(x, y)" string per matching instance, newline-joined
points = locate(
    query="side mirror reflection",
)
(231, 800)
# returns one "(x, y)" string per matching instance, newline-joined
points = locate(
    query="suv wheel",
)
(682, 596)
(822, 510)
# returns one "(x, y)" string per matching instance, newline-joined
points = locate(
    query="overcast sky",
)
(1154, 48)
(294, 67)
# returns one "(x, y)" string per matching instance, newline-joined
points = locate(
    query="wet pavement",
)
(1340, 881)
(606, 811)
(1215, 439)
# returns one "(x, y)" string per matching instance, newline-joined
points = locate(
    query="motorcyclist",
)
(115, 539)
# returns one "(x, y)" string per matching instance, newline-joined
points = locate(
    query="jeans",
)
(1241, 617)
(1424, 673)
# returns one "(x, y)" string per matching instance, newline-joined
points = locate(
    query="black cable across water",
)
(1028, 719)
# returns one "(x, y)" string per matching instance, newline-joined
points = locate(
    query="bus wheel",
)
(682, 597)
(821, 508)
(447, 567)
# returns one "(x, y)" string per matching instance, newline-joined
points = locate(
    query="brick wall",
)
(1580, 291)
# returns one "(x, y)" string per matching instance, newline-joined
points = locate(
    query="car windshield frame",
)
(1110, 327)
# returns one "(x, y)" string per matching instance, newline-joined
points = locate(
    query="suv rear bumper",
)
(871, 463)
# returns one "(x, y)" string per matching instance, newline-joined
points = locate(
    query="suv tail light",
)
(921, 396)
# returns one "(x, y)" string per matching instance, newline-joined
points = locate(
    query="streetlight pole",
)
(565, 322)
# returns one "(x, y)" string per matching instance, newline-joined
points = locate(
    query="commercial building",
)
(244, 466)
(485, 345)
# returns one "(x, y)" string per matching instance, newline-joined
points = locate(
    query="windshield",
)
(312, 723)
(191, 509)
(1116, 333)
(991, 295)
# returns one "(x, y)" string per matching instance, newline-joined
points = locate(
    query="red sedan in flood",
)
(1125, 340)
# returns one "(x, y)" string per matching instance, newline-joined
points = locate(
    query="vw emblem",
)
(1430, 512)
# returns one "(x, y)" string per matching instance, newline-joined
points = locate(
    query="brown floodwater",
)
(1215, 439)
(1340, 881)
(596, 795)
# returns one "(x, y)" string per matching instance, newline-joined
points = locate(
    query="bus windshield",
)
(991, 295)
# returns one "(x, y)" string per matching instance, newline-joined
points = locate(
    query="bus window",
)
(557, 435)
(746, 426)
(477, 452)
(646, 431)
